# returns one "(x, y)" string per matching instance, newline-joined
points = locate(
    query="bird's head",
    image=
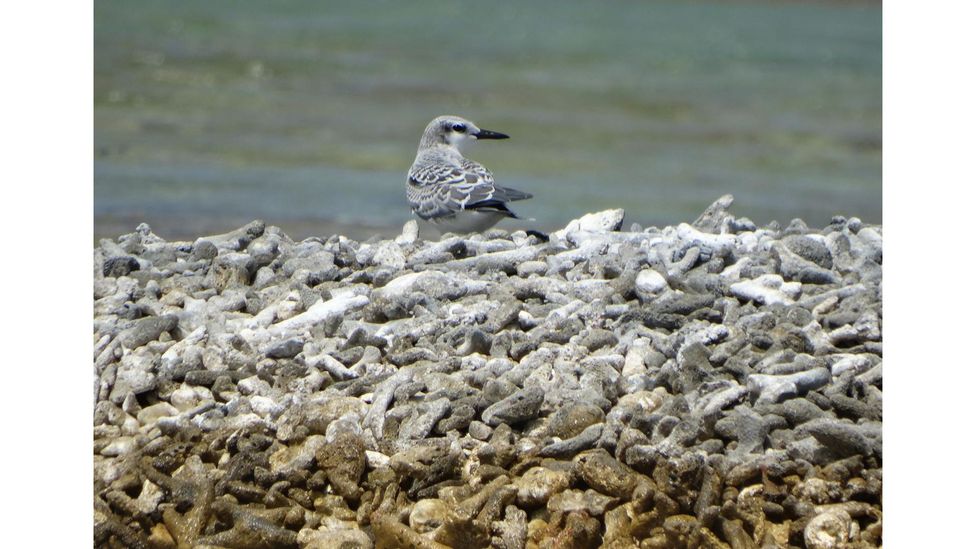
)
(455, 132)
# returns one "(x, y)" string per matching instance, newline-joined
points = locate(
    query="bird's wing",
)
(429, 189)
(442, 188)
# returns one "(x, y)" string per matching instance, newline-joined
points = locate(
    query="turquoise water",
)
(307, 114)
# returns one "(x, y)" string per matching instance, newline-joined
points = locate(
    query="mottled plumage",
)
(452, 192)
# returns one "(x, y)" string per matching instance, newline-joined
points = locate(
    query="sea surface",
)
(306, 114)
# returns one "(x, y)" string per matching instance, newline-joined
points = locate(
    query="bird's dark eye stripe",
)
(460, 128)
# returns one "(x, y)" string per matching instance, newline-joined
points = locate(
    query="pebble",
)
(146, 330)
(578, 501)
(119, 447)
(844, 438)
(538, 485)
(133, 376)
(609, 220)
(649, 283)
(119, 266)
(831, 530)
(571, 420)
(295, 458)
(767, 289)
(520, 406)
(529, 268)
(777, 388)
(288, 348)
(151, 414)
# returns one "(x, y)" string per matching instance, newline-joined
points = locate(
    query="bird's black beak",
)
(488, 134)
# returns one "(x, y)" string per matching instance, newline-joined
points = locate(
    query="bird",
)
(451, 192)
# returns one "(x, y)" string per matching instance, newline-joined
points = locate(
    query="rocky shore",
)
(713, 384)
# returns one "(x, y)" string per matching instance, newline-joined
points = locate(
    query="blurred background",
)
(307, 114)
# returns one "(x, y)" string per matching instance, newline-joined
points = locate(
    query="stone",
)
(479, 430)
(777, 388)
(420, 423)
(649, 283)
(572, 419)
(294, 458)
(539, 484)
(529, 268)
(119, 266)
(843, 438)
(573, 445)
(716, 216)
(745, 426)
(518, 407)
(120, 446)
(768, 289)
(607, 220)
(429, 514)
(343, 458)
(591, 502)
(831, 530)
(151, 414)
(409, 233)
(288, 348)
(147, 329)
(203, 250)
(134, 376)
(347, 538)
(809, 249)
(800, 410)
(606, 474)
(597, 339)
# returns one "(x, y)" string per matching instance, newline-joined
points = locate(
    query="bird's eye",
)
(460, 128)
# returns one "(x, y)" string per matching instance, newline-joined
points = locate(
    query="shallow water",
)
(307, 114)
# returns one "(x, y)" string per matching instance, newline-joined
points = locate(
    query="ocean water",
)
(307, 114)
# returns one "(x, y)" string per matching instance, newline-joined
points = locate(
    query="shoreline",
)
(708, 384)
(189, 228)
